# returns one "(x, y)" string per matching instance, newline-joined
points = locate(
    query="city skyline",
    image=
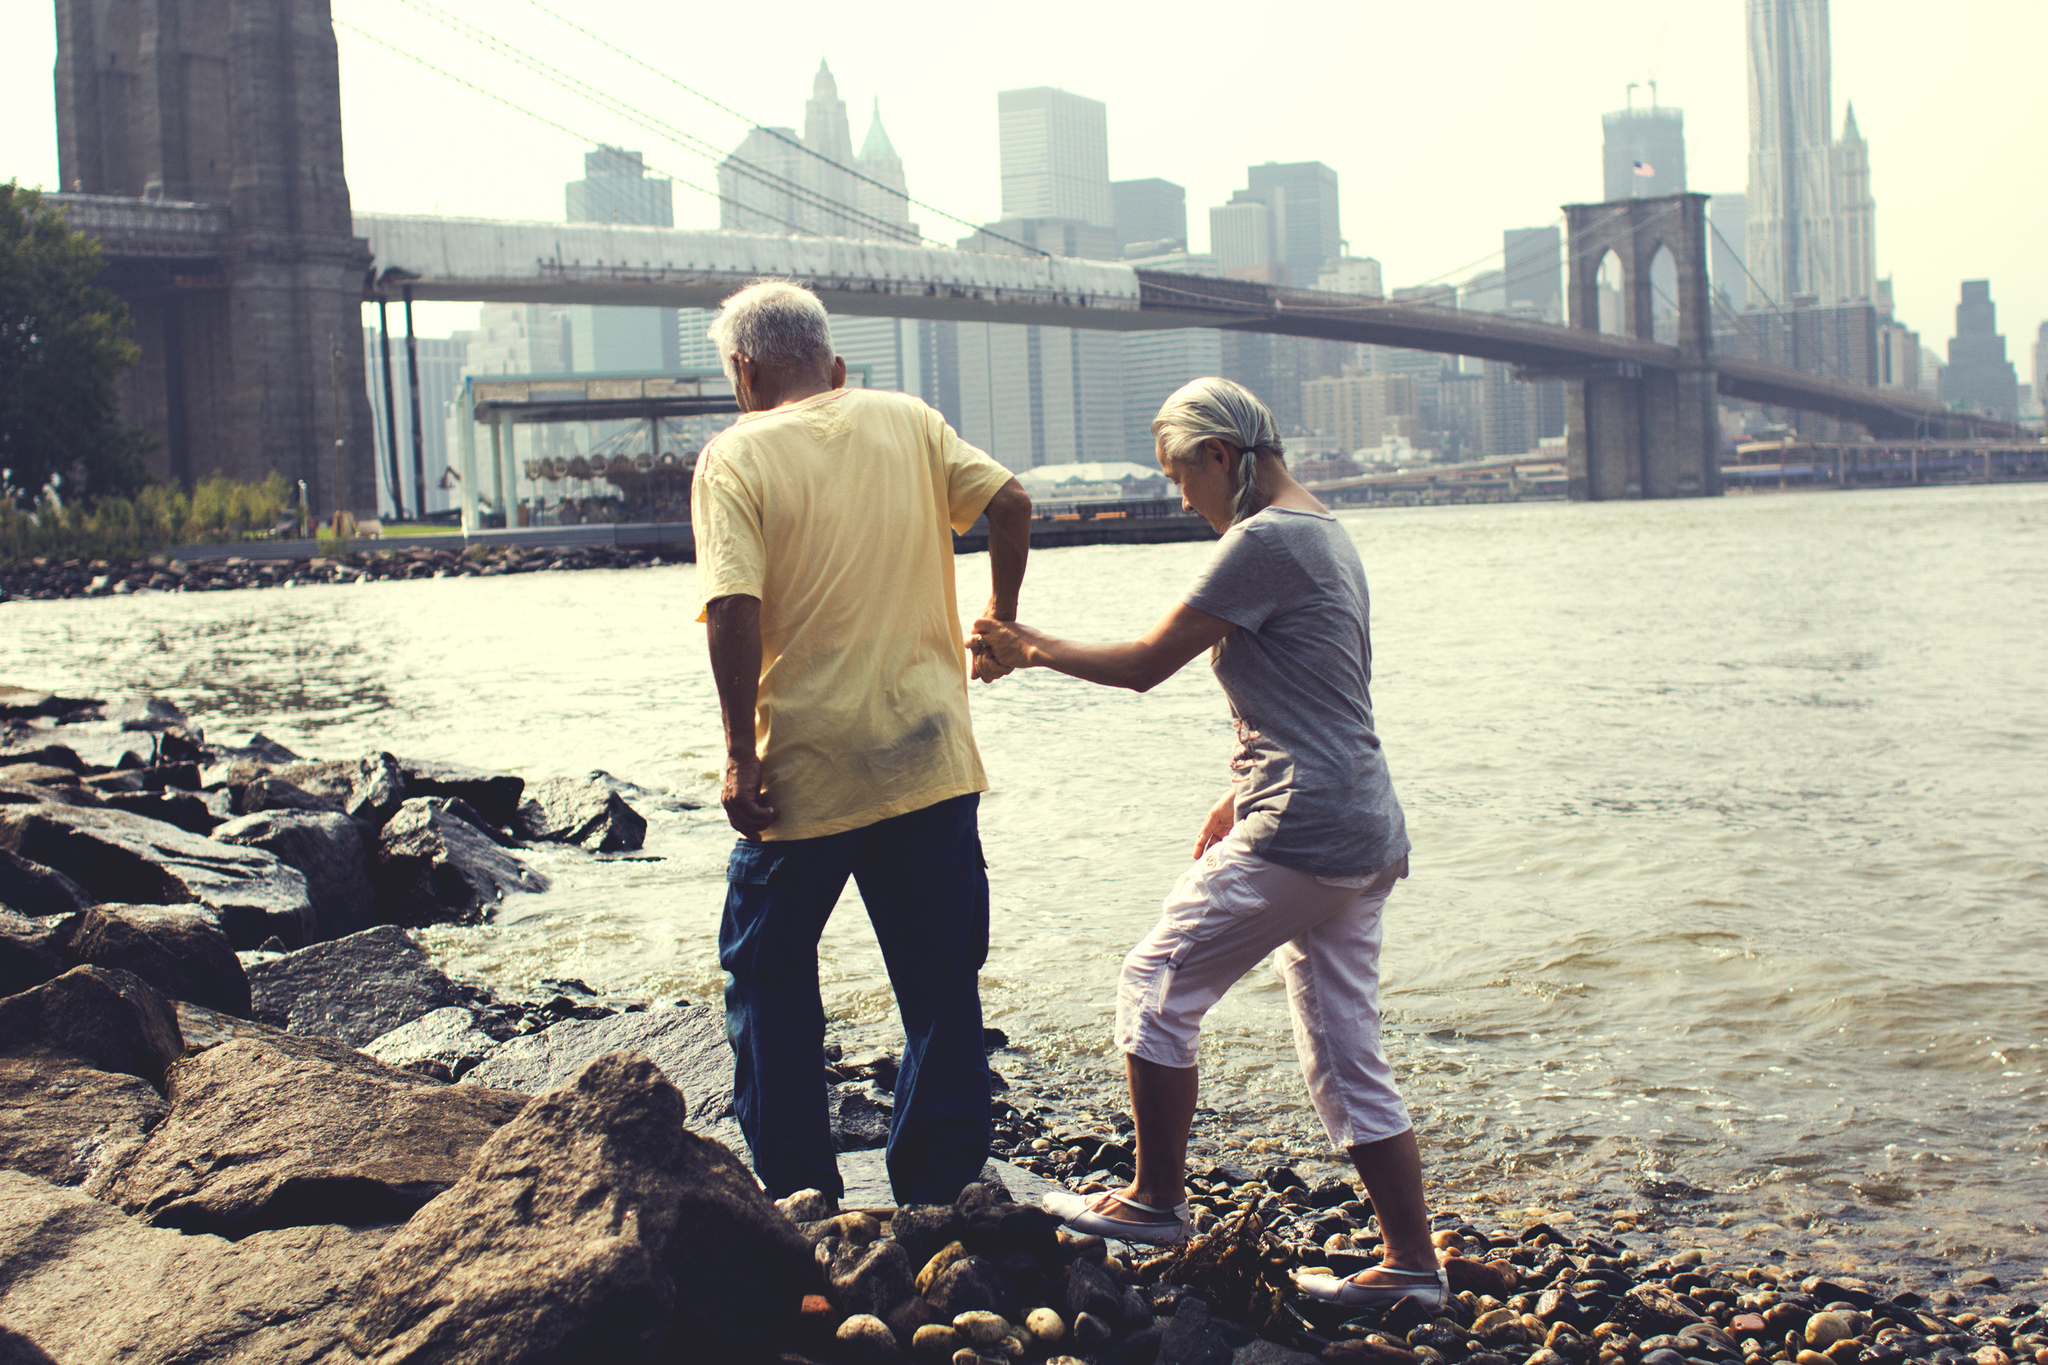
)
(1424, 205)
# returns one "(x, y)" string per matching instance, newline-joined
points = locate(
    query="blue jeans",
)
(922, 878)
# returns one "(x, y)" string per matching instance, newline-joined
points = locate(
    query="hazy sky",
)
(1445, 122)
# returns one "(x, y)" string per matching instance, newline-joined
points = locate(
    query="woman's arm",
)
(1140, 664)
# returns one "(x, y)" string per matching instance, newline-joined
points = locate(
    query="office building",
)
(441, 363)
(1979, 376)
(1643, 152)
(1151, 216)
(1727, 230)
(1157, 363)
(1055, 156)
(616, 188)
(780, 181)
(1486, 292)
(1352, 275)
(2040, 370)
(1303, 197)
(882, 192)
(1855, 217)
(1533, 260)
(1355, 409)
(1244, 238)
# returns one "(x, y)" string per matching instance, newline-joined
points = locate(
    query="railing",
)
(154, 228)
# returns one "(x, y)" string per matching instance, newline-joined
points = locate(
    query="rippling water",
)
(1729, 819)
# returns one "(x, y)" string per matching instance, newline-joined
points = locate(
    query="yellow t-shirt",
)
(834, 511)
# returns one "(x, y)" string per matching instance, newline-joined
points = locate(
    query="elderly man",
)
(825, 561)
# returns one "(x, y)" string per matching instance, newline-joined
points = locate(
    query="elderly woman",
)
(1296, 860)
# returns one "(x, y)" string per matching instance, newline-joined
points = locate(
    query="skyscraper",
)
(1727, 230)
(1643, 153)
(1152, 214)
(1855, 218)
(878, 162)
(1791, 246)
(1533, 259)
(776, 181)
(1055, 155)
(1978, 375)
(1303, 195)
(616, 188)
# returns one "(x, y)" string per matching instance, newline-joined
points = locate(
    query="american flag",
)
(1645, 170)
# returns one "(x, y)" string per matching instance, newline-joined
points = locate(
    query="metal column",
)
(465, 427)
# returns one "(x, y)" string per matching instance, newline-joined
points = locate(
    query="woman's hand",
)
(1218, 825)
(1006, 642)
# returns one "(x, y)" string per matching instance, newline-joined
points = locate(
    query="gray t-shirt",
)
(1312, 787)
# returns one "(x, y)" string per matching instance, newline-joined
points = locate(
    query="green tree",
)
(63, 341)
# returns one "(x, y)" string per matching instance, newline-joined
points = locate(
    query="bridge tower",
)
(1632, 431)
(234, 103)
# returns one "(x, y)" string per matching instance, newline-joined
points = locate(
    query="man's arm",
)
(1009, 546)
(735, 628)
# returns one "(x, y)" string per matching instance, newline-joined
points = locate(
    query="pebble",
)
(983, 1329)
(807, 1206)
(865, 1337)
(1045, 1327)
(934, 1342)
(1091, 1332)
(1825, 1329)
(936, 1266)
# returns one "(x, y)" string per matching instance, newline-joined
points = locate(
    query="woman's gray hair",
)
(777, 324)
(1217, 409)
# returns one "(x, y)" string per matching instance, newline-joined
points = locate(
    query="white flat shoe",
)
(1167, 1227)
(1429, 1288)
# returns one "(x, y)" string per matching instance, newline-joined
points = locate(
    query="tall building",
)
(1355, 409)
(878, 162)
(1533, 260)
(1978, 375)
(777, 181)
(1303, 195)
(616, 188)
(1151, 216)
(1055, 155)
(1157, 363)
(2041, 365)
(1244, 238)
(1727, 230)
(1352, 275)
(1791, 247)
(442, 362)
(1855, 217)
(1643, 152)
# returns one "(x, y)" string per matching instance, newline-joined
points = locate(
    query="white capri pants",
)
(1227, 912)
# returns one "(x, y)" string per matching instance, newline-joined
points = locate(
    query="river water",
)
(1731, 840)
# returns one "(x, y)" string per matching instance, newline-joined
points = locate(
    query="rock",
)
(873, 1280)
(324, 847)
(36, 794)
(936, 1265)
(60, 1120)
(280, 794)
(981, 1328)
(48, 755)
(178, 949)
(1269, 1353)
(495, 796)
(582, 811)
(30, 953)
(686, 1041)
(145, 714)
(203, 1028)
(860, 1122)
(124, 858)
(185, 810)
(935, 1343)
(261, 748)
(1092, 1332)
(354, 989)
(1091, 1289)
(1190, 1339)
(595, 1227)
(283, 1132)
(968, 1285)
(430, 867)
(108, 1019)
(1652, 1310)
(866, 1340)
(807, 1206)
(1825, 1329)
(448, 1037)
(84, 1283)
(369, 788)
(1045, 1327)
(29, 888)
(39, 775)
(1497, 1278)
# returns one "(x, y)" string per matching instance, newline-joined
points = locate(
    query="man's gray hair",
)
(777, 324)
(1217, 409)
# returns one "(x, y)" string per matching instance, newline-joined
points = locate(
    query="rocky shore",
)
(244, 1117)
(49, 579)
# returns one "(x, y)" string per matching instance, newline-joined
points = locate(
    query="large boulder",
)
(584, 811)
(204, 1028)
(30, 953)
(595, 1226)
(31, 889)
(283, 1131)
(446, 1041)
(52, 755)
(326, 848)
(687, 1042)
(432, 866)
(178, 949)
(368, 788)
(353, 989)
(107, 1019)
(188, 811)
(126, 858)
(495, 796)
(280, 794)
(62, 1120)
(83, 1284)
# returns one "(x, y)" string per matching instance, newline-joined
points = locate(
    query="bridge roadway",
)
(490, 260)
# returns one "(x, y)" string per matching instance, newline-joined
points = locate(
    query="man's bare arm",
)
(1009, 546)
(735, 629)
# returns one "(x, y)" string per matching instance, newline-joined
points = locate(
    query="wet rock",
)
(1190, 1339)
(865, 1339)
(1825, 1329)
(179, 950)
(1497, 1278)
(84, 1283)
(280, 794)
(431, 867)
(354, 989)
(447, 1038)
(584, 811)
(369, 788)
(203, 1028)
(595, 1226)
(860, 1122)
(686, 1041)
(60, 1120)
(968, 1285)
(185, 810)
(324, 847)
(29, 888)
(1651, 1310)
(108, 1019)
(495, 796)
(30, 953)
(873, 1280)
(1091, 1289)
(127, 859)
(283, 1131)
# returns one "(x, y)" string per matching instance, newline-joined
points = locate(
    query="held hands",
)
(740, 794)
(1218, 825)
(1005, 644)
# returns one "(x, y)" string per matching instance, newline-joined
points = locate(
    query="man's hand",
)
(1005, 643)
(982, 664)
(740, 794)
(1218, 825)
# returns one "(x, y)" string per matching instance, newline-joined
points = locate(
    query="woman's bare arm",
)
(1140, 664)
